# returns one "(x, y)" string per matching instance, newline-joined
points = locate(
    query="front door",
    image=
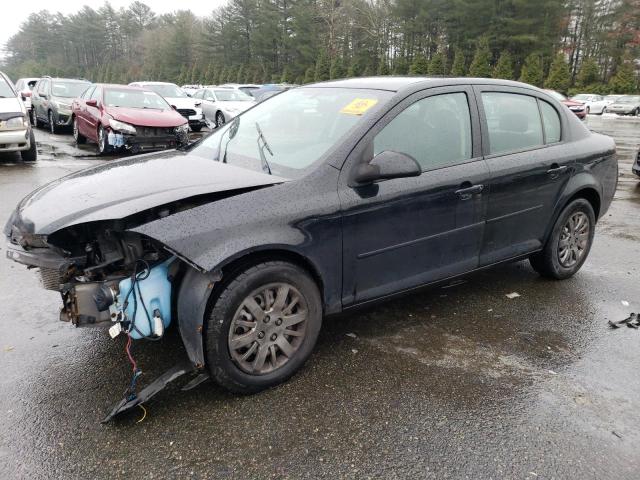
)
(530, 165)
(402, 233)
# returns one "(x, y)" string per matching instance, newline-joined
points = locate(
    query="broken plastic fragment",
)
(512, 295)
(624, 303)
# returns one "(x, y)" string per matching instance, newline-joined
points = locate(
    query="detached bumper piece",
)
(175, 372)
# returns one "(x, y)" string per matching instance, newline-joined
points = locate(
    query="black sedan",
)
(318, 200)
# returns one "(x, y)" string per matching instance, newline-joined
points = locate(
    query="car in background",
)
(594, 103)
(16, 134)
(576, 107)
(612, 98)
(220, 105)
(636, 164)
(51, 100)
(247, 88)
(190, 89)
(626, 105)
(271, 89)
(177, 98)
(119, 117)
(24, 86)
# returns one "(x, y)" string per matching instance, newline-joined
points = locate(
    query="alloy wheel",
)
(75, 129)
(268, 328)
(101, 140)
(52, 126)
(219, 120)
(574, 239)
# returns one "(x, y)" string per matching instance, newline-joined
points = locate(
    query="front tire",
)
(569, 244)
(103, 145)
(219, 119)
(52, 125)
(34, 118)
(77, 136)
(30, 155)
(262, 327)
(196, 128)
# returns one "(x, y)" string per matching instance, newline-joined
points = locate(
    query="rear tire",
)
(569, 244)
(196, 128)
(245, 309)
(35, 120)
(30, 155)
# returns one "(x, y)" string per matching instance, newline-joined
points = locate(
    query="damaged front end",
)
(107, 277)
(122, 136)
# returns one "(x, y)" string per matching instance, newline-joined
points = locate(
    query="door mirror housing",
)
(385, 166)
(92, 103)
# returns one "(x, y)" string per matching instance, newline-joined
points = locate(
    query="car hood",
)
(146, 117)
(10, 105)
(628, 106)
(118, 189)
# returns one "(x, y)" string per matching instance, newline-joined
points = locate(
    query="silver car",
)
(220, 105)
(16, 134)
(51, 100)
(627, 105)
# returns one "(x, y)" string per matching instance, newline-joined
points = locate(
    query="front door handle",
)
(467, 192)
(556, 170)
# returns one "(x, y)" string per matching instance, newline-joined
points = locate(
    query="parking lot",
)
(453, 382)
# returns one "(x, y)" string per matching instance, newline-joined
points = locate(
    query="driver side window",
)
(435, 131)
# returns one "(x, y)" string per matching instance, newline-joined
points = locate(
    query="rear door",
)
(405, 232)
(81, 110)
(529, 164)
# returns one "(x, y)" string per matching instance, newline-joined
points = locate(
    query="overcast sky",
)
(14, 13)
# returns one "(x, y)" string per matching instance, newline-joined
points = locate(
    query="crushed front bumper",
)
(14, 140)
(140, 143)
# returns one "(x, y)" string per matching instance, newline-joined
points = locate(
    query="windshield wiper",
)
(263, 157)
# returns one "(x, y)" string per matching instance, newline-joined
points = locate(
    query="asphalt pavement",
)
(454, 382)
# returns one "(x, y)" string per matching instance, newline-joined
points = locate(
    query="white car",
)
(177, 98)
(247, 88)
(16, 134)
(222, 104)
(24, 87)
(593, 103)
(191, 89)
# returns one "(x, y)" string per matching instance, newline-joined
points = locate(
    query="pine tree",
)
(383, 66)
(458, 67)
(337, 68)
(354, 69)
(400, 67)
(589, 73)
(624, 82)
(504, 67)
(309, 75)
(531, 71)
(323, 67)
(368, 71)
(287, 76)
(419, 66)
(437, 65)
(481, 63)
(239, 78)
(559, 77)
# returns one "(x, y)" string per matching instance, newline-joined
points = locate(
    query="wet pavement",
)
(457, 382)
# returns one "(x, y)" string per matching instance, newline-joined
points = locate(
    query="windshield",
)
(5, 89)
(168, 91)
(291, 131)
(232, 96)
(68, 89)
(581, 97)
(134, 99)
(629, 99)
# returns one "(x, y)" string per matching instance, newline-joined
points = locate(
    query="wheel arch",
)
(197, 291)
(588, 192)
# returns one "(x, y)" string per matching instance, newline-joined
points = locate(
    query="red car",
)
(576, 107)
(119, 117)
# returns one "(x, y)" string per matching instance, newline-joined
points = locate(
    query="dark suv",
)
(51, 100)
(322, 198)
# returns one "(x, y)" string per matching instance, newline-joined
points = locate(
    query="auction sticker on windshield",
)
(359, 106)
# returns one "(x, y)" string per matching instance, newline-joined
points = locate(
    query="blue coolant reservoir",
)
(156, 293)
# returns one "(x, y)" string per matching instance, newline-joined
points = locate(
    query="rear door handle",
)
(468, 192)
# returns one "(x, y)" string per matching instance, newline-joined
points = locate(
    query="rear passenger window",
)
(551, 122)
(513, 121)
(436, 131)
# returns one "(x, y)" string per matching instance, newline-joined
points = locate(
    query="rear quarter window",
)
(551, 122)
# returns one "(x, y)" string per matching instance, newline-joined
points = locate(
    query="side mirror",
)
(174, 107)
(189, 95)
(384, 166)
(92, 103)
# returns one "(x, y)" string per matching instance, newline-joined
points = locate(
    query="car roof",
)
(153, 83)
(120, 87)
(398, 83)
(62, 79)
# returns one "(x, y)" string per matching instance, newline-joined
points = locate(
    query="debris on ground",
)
(512, 295)
(632, 321)
(616, 434)
(352, 335)
(624, 303)
(8, 348)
